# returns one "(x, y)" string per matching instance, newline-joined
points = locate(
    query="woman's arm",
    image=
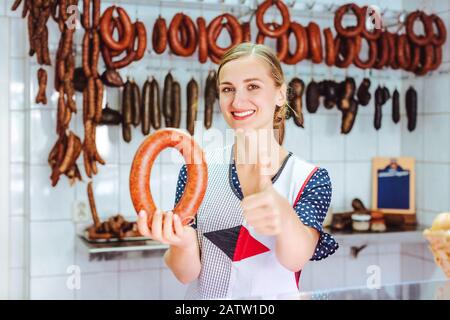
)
(184, 262)
(296, 242)
(298, 228)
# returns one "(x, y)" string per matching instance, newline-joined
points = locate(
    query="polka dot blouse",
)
(311, 208)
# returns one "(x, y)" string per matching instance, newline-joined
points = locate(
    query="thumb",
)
(265, 172)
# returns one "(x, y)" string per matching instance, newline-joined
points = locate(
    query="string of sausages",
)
(93, 91)
(409, 51)
(67, 149)
(37, 14)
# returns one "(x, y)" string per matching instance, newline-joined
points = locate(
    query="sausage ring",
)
(383, 54)
(426, 60)
(437, 58)
(427, 24)
(159, 36)
(355, 30)
(345, 51)
(128, 29)
(439, 39)
(301, 38)
(330, 50)
(236, 34)
(373, 52)
(392, 44)
(282, 42)
(176, 45)
(197, 173)
(403, 52)
(202, 40)
(263, 27)
(415, 58)
(314, 42)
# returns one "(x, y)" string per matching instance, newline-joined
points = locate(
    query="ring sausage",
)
(128, 33)
(315, 42)
(420, 40)
(235, 33)
(197, 173)
(264, 28)
(301, 39)
(202, 40)
(282, 42)
(177, 46)
(330, 49)
(349, 32)
(373, 52)
(439, 39)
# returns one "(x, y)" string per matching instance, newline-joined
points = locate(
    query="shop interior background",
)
(42, 237)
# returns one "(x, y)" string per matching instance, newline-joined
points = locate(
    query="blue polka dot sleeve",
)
(181, 184)
(312, 208)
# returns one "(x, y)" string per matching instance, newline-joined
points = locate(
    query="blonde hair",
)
(269, 56)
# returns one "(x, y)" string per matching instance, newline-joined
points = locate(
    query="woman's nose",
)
(239, 100)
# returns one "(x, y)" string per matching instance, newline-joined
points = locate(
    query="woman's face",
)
(248, 95)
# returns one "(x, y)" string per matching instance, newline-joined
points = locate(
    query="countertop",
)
(425, 290)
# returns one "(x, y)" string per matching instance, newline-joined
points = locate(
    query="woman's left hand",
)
(266, 210)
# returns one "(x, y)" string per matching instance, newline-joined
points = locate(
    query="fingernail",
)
(142, 213)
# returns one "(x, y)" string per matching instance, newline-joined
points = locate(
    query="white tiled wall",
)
(430, 142)
(42, 216)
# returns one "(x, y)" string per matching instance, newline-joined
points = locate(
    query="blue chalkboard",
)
(393, 187)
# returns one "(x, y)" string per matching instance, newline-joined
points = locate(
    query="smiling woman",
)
(261, 217)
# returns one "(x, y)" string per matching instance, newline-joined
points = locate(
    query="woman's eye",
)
(226, 89)
(253, 86)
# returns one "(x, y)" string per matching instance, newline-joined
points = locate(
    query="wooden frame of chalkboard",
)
(393, 187)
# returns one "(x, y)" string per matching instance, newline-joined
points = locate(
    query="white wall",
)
(43, 236)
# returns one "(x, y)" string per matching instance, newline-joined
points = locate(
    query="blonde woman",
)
(260, 221)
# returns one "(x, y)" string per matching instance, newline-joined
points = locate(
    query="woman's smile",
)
(242, 114)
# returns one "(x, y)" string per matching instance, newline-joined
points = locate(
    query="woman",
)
(260, 221)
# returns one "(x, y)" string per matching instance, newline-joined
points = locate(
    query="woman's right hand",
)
(167, 228)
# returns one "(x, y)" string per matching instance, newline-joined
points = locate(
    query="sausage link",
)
(197, 172)
(192, 105)
(155, 107)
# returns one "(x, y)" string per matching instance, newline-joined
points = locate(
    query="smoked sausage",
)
(197, 173)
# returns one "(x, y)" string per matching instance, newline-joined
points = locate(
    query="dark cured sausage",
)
(176, 104)
(396, 106)
(192, 105)
(210, 98)
(146, 108)
(155, 107)
(135, 103)
(197, 173)
(297, 86)
(411, 108)
(167, 100)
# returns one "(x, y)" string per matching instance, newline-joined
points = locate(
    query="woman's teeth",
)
(242, 114)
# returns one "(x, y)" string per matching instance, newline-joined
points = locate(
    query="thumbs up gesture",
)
(265, 209)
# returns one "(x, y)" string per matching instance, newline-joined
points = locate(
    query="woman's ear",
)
(281, 96)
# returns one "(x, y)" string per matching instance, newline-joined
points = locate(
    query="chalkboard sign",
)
(393, 185)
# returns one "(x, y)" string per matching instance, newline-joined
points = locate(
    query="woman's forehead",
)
(243, 69)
